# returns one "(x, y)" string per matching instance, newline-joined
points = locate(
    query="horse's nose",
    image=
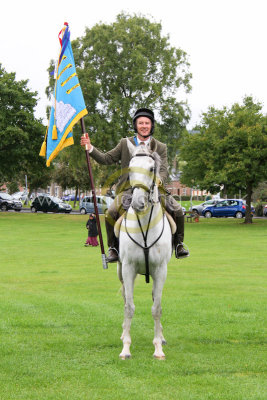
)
(139, 201)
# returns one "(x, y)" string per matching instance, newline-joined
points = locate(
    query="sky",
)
(225, 40)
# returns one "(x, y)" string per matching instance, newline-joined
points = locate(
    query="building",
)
(176, 188)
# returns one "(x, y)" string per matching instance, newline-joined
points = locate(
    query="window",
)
(232, 203)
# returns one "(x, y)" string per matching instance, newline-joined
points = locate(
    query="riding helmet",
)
(144, 112)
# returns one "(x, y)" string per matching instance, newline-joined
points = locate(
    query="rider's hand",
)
(85, 141)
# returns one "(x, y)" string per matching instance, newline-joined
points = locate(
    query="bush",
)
(12, 187)
(259, 209)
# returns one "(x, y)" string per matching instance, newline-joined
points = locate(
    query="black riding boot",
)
(113, 243)
(178, 237)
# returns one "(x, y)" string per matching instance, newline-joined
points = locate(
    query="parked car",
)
(47, 203)
(87, 204)
(7, 203)
(21, 196)
(199, 208)
(69, 197)
(66, 197)
(226, 208)
(265, 210)
(34, 195)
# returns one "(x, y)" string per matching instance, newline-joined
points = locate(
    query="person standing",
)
(92, 231)
(143, 124)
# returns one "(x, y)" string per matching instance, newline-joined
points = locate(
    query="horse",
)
(145, 243)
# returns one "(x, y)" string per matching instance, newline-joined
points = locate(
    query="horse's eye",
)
(151, 169)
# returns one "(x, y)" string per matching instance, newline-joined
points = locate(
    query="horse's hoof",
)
(164, 342)
(159, 357)
(125, 356)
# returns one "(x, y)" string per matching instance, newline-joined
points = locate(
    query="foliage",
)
(229, 150)
(21, 134)
(61, 316)
(71, 169)
(259, 209)
(12, 187)
(125, 65)
(260, 193)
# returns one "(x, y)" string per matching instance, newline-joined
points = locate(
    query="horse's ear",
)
(131, 147)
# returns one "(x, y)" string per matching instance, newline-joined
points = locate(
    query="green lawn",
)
(61, 316)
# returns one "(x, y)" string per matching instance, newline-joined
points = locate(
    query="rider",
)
(143, 123)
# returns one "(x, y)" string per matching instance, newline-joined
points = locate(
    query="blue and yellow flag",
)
(68, 104)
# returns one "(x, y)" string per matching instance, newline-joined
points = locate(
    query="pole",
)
(104, 261)
(26, 190)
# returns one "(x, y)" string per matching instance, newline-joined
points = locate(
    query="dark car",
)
(69, 197)
(66, 197)
(226, 208)
(47, 203)
(7, 203)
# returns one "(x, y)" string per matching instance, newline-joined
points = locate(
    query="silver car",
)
(87, 204)
(198, 209)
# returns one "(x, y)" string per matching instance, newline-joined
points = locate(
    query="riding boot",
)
(113, 243)
(178, 237)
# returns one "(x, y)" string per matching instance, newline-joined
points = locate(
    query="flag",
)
(68, 105)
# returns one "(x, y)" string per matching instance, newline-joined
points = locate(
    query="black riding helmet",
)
(144, 112)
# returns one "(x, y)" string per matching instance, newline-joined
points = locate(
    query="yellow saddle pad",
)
(118, 223)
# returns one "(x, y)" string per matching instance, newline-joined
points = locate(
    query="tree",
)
(71, 168)
(228, 149)
(21, 134)
(125, 65)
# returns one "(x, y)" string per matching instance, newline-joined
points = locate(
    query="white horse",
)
(144, 229)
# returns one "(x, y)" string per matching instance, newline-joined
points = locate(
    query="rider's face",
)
(143, 126)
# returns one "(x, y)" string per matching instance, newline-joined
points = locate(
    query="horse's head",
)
(143, 171)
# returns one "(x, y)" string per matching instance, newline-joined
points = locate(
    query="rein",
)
(144, 234)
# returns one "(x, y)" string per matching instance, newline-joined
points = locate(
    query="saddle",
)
(118, 223)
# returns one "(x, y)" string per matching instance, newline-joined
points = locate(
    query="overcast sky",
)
(226, 42)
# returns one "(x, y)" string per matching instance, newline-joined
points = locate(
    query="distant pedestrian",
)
(92, 231)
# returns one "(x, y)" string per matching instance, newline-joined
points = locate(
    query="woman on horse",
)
(143, 123)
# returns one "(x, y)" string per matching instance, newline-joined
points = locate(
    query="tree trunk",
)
(75, 198)
(248, 217)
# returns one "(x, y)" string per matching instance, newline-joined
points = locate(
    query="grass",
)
(61, 316)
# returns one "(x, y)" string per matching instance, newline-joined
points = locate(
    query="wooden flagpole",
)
(104, 261)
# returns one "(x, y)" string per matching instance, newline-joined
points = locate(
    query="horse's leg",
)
(128, 285)
(164, 342)
(119, 273)
(158, 283)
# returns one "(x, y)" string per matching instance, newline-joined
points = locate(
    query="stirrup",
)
(116, 251)
(183, 254)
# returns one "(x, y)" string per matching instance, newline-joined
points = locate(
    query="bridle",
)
(140, 185)
(145, 247)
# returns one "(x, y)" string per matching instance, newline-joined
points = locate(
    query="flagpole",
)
(104, 261)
